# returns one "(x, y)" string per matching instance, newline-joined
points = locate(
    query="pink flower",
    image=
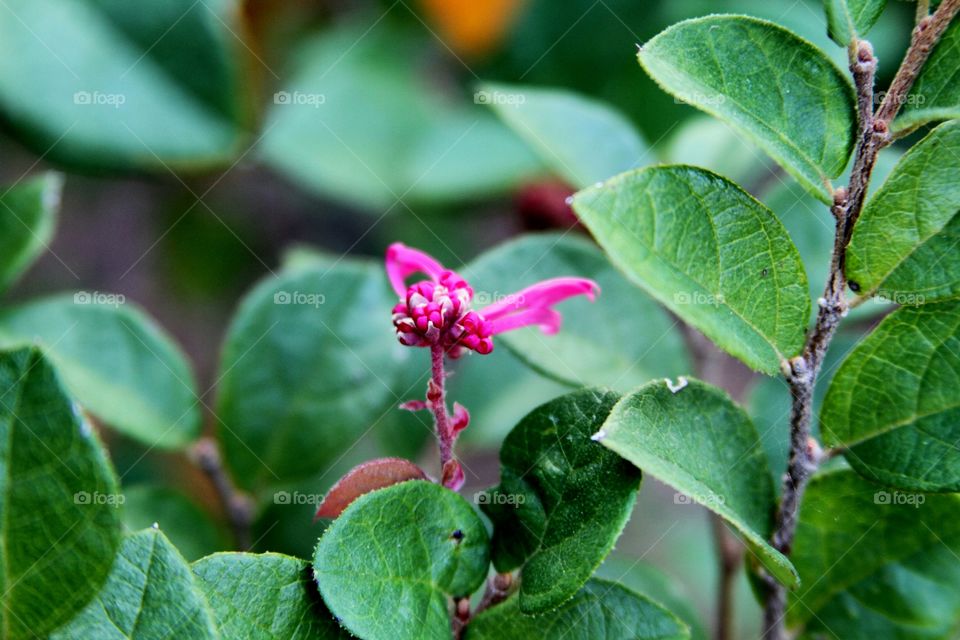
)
(437, 311)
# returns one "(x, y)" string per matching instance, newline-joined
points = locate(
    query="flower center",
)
(438, 313)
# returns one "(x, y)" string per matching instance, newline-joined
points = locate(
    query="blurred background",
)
(201, 140)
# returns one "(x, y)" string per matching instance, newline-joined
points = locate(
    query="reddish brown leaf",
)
(364, 478)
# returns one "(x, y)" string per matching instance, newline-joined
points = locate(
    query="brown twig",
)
(730, 552)
(801, 372)
(460, 618)
(499, 587)
(236, 504)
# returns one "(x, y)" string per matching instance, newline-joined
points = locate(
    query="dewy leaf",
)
(691, 436)
(307, 368)
(849, 19)
(151, 594)
(562, 500)
(28, 215)
(904, 247)
(364, 478)
(936, 93)
(189, 528)
(602, 610)
(777, 89)
(58, 496)
(107, 84)
(895, 401)
(710, 253)
(601, 342)
(876, 563)
(265, 597)
(115, 360)
(580, 139)
(403, 550)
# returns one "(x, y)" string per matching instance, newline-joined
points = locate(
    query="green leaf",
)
(28, 216)
(328, 128)
(115, 360)
(895, 402)
(876, 564)
(107, 84)
(581, 140)
(406, 549)
(562, 500)
(464, 154)
(285, 521)
(936, 93)
(265, 597)
(308, 367)
(710, 253)
(58, 496)
(499, 391)
(602, 610)
(812, 228)
(622, 355)
(712, 144)
(405, 434)
(188, 527)
(150, 595)
(769, 407)
(643, 577)
(775, 88)
(849, 19)
(904, 245)
(691, 436)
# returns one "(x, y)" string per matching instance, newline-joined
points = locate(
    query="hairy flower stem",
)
(437, 402)
(801, 372)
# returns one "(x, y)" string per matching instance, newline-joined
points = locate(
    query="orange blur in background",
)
(472, 28)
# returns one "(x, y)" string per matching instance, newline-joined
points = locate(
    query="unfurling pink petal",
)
(547, 319)
(541, 295)
(403, 262)
(414, 405)
(461, 418)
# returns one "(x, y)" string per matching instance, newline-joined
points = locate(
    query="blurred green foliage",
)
(201, 139)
